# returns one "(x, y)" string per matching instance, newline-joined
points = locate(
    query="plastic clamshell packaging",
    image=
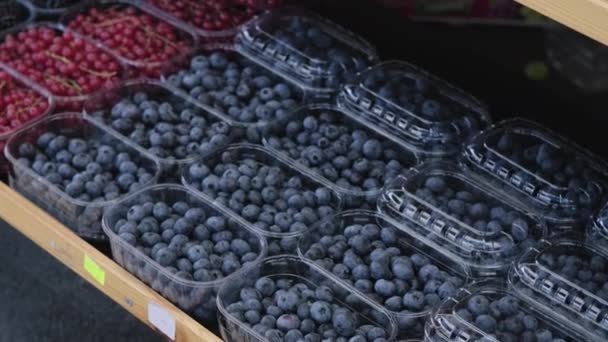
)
(62, 102)
(15, 13)
(597, 230)
(249, 102)
(344, 229)
(355, 173)
(306, 49)
(488, 311)
(432, 116)
(567, 279)
(196, 297)
(441, 205)
(135, 67)
(83, 217)
(293, 270)
(280, 241)
(544, 171)
(104, 108)
(7, 84)
(50, 8)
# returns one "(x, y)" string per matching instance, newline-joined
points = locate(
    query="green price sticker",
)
(94, 270)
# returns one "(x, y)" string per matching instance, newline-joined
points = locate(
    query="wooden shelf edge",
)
(589, 17)
(122, 287)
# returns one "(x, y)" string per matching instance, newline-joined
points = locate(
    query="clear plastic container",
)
(475, 225)
(336, 247)
(282, 224)
(597, 230)
(566, 279)
(429, 114)
(50, 8)
(20, 67)
(357, 159)
(544, 171)
(489, 311)
(293, 270)
(196, 297)
(15, 13)
(83, 217)
(177, 42)
(251, 101)
(306, 49)
(9, 86)
(103, 107)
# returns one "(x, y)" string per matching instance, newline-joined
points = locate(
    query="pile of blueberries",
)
(273, 198)
(314, 42)
(283, 309)
(188, 239)
(236, 87)
(505, 318)
(167, 126)
(377, 263)
(340, 150)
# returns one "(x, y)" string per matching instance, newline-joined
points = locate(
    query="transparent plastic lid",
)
(430, 114)
(443, 206)
(568, 279)
(489, 312)
(51, 7)
(306, 49)
(544, 170)
(14, 13)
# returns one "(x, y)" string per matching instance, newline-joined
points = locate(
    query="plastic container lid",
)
(197, 297)
(290, 270)
(351, 246)
(478, 226)
(306, 49)
(544, 171)
(568, 280)
(598, 229)
(489, 312)
(50, 7)
(15, 13)
(428, 113)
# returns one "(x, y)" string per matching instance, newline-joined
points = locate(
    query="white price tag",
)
(162, 320)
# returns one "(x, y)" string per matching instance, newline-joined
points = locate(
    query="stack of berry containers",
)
(16, 13)
(284, 298)
(489, 311)
(180, 245)
(171, 127)
(310, 51)
(567, 281)
(430, 116)
(49, 9)
(144, 42)
(74, 169)
(214, 20)
(544, 171)
(70, 67)
(355, 158)
(375, 259)
(440, 205)
(21, 104)
(262, 189)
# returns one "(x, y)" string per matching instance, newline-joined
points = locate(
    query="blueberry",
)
(486, 323)
(321, 312)
(478, 305)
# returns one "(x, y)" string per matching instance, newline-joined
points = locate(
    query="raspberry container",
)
(103, 108)
(195, 297)
(489, 311)
(293, 270)
(341, 154)
(544, 171)
(471, 223)
(334, 237)
(10, 86)
(282, 234)
(566, 279)
(15, 13)
(176, 41)
(12, 57)
(306, 49)
(83, 217)
(432, 116)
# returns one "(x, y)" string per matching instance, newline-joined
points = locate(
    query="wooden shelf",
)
(589, 17)
(99, 270)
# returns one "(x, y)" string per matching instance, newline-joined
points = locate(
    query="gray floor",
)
(43, 301)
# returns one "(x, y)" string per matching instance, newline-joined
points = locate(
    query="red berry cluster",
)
(214, 15)
(58, 61)
(135, 36)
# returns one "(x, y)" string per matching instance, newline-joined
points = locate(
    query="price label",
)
(162, 320)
